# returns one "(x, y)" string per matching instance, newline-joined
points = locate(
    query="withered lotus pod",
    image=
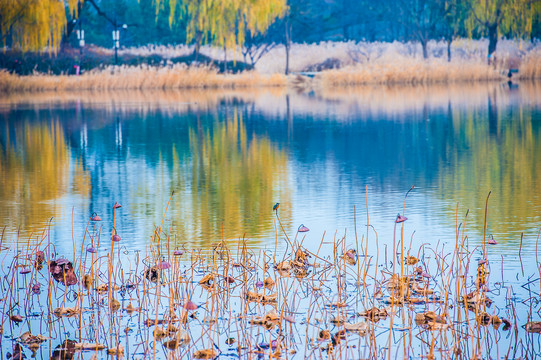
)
(116, 238)
(400, 218)
(303, 228)
(116, 205)
(36, 288)
(190, 305)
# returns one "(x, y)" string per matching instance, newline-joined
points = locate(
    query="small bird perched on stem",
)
(275, 207)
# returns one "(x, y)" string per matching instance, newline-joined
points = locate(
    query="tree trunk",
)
(197, 47)
(492, 40)
(449, 41)
(424, 44)
(288, 40)
(225, 58)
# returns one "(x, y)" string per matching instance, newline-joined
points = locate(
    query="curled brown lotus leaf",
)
(38, 259)
(432, 325)
(88, 281)
(207, 281)
(375, 314)
(533, 326)
(64, 311)
(337, 305)
(338, 320)
(324, 335)
(301, 258)
(103, 288)
(399, 284)
(472, 299)
(414, 300)
(62, 271)
(411, 260)
(270, 298)
(283, 268)
(31, 340)
(269, 283)
(118, 350)
(16, 318)
(130, 308)
(160, 333)
(152, 274)
(88, 346)
(115, 305)
(152, 322)
(252, 296)
(350, 257)
(269, 321)
(359, 327)
(205, 354)
(171, 328)
(429, 317)
(300, 272)
(181, 339)
(421, 290)
(338, 337)
(66, 350)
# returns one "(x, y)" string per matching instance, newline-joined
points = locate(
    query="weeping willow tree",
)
(222, 23)
(33, 25)
(510, 17)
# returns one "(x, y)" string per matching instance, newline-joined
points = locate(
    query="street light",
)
(80, 36)
(116, 40)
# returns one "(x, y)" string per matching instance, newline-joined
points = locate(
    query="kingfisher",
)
(275, 207)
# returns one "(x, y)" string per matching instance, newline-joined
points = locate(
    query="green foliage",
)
(34, 25)
(223, 23)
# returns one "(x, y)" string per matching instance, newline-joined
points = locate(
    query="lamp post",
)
(116, 40)
(81, 37)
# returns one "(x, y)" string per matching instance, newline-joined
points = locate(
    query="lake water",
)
(229, 157)
(210, 165)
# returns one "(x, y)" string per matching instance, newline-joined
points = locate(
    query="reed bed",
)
(338, 300)
(530, 67)
(410, 72)
(137, 78)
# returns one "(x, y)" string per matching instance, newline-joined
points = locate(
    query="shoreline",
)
(403, 72)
